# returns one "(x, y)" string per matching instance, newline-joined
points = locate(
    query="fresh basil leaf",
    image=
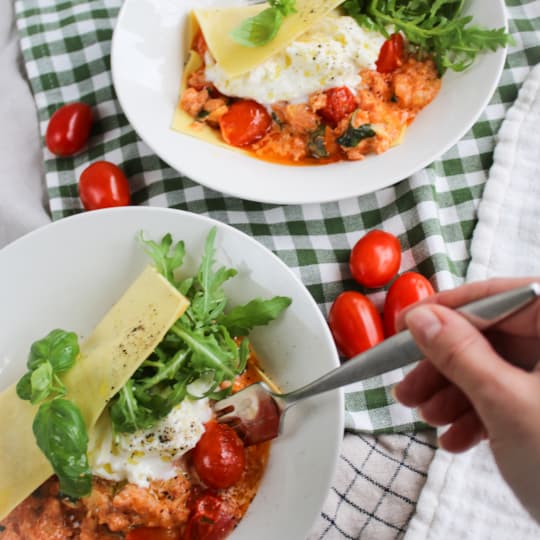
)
(317, 144)
(352, 136)
(242, 319)
(58, 347)
(61, 435)
(24, 386)
(260, 29)
(41, 382)
(286, 7)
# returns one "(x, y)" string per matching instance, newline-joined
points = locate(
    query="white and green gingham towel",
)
(66, 47)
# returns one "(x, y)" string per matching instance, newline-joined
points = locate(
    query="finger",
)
(445, 406)
(524, 323)
(467, 431)
(521, 351)
(420, 384)
(463, 356)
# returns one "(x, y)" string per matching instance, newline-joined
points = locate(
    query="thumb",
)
(464, 356)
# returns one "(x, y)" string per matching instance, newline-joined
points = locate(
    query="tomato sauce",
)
(166, 509)
(334, 125)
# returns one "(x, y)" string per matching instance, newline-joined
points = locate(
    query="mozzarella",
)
(151, 454)
(330, 54)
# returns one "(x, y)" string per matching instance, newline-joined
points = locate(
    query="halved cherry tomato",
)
(68, 129)
(340, 102)
(209, 521)
(219, 457)
(244, 123)
(391, 54)
(408, 289)
(153, 533)
(102, 185)
(375, 259)
(355, 323)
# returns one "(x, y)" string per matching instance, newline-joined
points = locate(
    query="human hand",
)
(467, 382)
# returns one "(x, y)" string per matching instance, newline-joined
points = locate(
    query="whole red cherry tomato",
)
(69, 129)
(391, 54)
(375, 259)
(355, 323)
(244, 123)
(209, 521)
(408, 289)
(103, 185)
(219, 457)
(340, 102)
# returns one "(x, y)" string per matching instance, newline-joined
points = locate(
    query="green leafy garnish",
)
(61, 435)
(352, 136)
(199, 346)
(58, 426)
(436, 27)
(263, 27)
(50, 356)
(317, 144)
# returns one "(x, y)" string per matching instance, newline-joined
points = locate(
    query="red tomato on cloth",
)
(355, 323)
(219, 457)
(244, 123)
(391, 54)
(340, 102)
(68, 129)
(153, 533)
(375, 259)
(102, 185)
(408, 289)
(208, 521)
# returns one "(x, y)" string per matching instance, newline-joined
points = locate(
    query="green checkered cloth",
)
(66, 46)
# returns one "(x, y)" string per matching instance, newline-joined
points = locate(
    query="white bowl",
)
(68, 274)
(148, 50)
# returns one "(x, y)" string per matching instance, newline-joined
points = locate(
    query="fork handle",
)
(401, 350)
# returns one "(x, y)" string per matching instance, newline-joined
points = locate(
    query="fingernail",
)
(423, 323)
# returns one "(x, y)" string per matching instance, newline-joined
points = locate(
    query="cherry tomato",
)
(103, 185)
(244, 123)
(69, 129)
(391, 54)
(408, 289)
(209, 521)
(153, 533)
(355, 323)
(340, 102)
(219, 457)
(375, 259)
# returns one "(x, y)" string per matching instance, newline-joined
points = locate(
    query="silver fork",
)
(257, 411)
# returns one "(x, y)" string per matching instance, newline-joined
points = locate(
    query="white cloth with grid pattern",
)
(465, 497)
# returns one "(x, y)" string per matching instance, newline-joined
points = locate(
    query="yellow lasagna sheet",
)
(235, 59)
(124, 338)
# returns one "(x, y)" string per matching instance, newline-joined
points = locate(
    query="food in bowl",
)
(332, 85)
(125, 420)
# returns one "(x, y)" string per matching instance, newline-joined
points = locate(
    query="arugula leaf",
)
(263, 27)
(200, 345)
(434, 27)
(353, 136)
(166, 257)
(61, 435)
(242, 319)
